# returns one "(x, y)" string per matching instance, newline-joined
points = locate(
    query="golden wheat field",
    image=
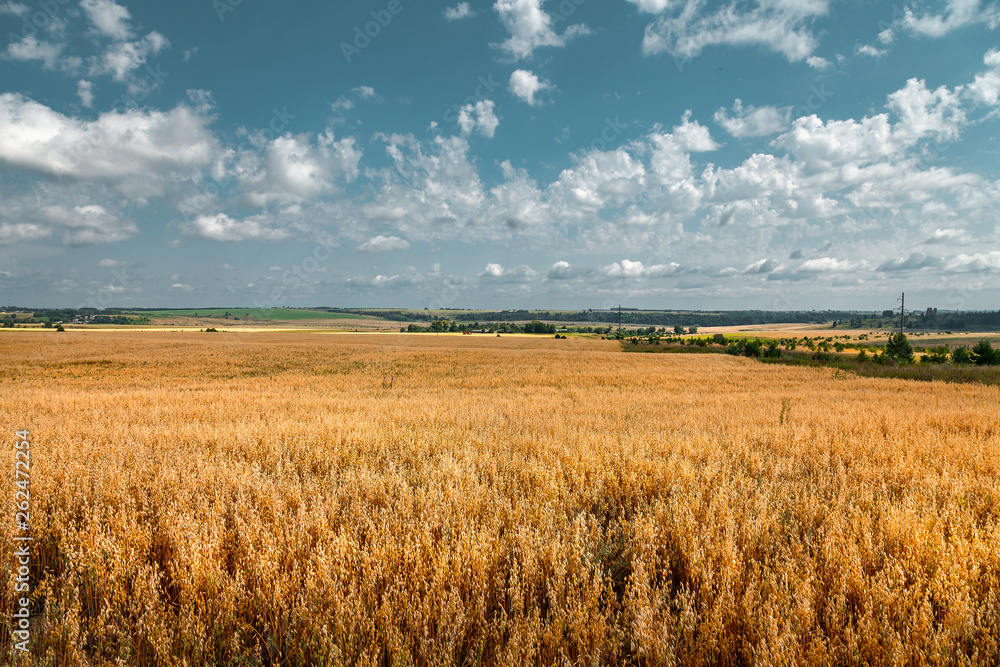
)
(318, 499)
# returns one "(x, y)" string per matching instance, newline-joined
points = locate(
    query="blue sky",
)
(775, 154)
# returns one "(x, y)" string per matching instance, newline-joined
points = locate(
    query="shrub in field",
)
(961, 355)
(983, 354)
(863, 355)
(936, 355)
(898, 348)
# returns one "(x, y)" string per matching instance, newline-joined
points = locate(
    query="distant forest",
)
(628, 316)
(929, 319)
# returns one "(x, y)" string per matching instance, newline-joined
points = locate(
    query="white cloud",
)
(951, 235)
(762, 266)
(924, 112)
(525, 85)
(686, 30)
(530, 28)
(822, 145)
(958, 14)
(136, 151)
(914, 262)
(409, 276)
(817, 63)
(693, 136)
(109, 18)
(635, 270)
(979, 262)
(85, 91)
(220, 227)
(753, 121)
(30, 48)
(562, 270)
(495, 273)
(599, 179)
(985, 88)
(827, 265)
(22, 232)
(294, 168)
(869, 50)
(651, 6)
(478, 117)
(89, 224)
(383, 244)
(122, 58)
(346, 103)
(460, 11)
(15, 8)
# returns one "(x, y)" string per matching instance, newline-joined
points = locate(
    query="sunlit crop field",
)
(318, 499)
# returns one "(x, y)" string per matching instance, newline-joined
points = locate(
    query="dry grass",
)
(268, 499)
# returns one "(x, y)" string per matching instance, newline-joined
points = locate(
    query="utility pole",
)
(619, 319)
(902, 311)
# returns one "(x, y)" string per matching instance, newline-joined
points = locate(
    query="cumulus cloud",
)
(562, 270)
(651, 6)
(122, 58)
(525, 85)
(827, 265)
(530, 28)
(30, 48)
(85, 91)
(22, 232)
(957, 14)
(15, 8)
(979, 262)
(220, 227)
(914, 262)
(956, 236)
(136, 151)
(753, 121)
(296, 168)
(818, 63)
(460, 11)
(478, 117)
(985, 88)
(685, 29)
(108, 18)
(869, 50)
(635, 270)
(409, 276)
(495, 273)
(761, 266)
(383, 244)
(360, 93)
(89, 224)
